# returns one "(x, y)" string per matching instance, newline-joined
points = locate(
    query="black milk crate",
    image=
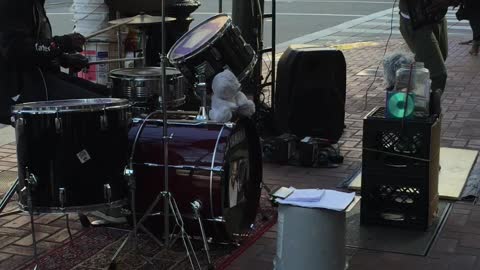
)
(400, 170)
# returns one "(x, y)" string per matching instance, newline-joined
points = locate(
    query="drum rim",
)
(144, 78)
(32, 108)
(215, 37)
(74, 209)
(248, 69)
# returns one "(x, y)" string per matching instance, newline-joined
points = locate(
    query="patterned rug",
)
(94, 249)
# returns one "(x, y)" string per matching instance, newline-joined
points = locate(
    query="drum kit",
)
(91, 154)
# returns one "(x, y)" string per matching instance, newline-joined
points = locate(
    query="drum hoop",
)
(248, 69)
(186, 122)
(195, 52)
(116, 104)
(75, 209)
(143, 78)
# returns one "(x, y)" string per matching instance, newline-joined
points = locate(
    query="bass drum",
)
(219, 165)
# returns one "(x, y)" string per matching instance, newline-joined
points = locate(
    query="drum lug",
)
(237, 30)
(62, 197)
(20, 123)
(230, 125)
(249, 48)
(129, 118)
(107, 193)
(58, 124)
(103, 122)
(216, 54)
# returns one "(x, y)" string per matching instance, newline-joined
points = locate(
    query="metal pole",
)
(274, 52)
(246, 15)
(220, 6)
(166, 199)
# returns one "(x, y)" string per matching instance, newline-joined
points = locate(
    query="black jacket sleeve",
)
(20, 50)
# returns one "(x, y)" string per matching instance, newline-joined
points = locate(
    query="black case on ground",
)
(311, 90)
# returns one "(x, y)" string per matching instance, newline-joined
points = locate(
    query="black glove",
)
(75, 62)
(70, 43)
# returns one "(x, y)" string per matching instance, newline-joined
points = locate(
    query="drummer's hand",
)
(75, 62)
(437, 5)
(70, 43)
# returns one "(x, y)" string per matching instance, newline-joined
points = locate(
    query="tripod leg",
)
(113, 262)
(8, 196)
(67, 219)
(30, 209)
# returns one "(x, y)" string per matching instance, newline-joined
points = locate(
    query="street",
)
(295, 18)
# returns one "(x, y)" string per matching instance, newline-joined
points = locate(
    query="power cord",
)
(44, 83)
(384, 53)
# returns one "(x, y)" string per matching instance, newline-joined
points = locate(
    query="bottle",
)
(416, 78)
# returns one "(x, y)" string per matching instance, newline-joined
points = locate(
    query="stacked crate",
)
(400, 171)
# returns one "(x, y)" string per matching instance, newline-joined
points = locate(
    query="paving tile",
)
(444, 245)
(13, 232)
(471, 241)
(28, 240)
(44, 228)
(60, 236)
(4, 256)
(18, 222)
(14, 261)
(18, 250)
(48, 218)
(7, 240)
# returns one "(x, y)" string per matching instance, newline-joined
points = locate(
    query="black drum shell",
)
(50, 154)
(227, 49)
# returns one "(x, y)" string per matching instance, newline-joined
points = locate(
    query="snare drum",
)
(217, 164)
(210, 48)
(143, 86)
(77, 151)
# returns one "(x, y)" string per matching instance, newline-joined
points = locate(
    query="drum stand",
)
(30, 184)
(6, 199)
(202, 90)
(169, 202)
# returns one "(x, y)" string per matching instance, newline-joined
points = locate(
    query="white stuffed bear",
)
(227, 98)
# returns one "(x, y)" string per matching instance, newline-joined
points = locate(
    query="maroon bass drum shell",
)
(218, 164)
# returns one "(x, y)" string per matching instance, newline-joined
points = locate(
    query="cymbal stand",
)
(201, 88)
(169, 202)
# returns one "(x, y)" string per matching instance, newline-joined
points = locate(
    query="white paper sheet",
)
(328, 199)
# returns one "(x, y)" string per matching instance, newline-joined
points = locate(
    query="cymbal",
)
(141, 20)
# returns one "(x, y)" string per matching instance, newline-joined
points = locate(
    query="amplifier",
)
(311, 90)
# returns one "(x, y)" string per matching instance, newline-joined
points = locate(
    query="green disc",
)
(396, 105)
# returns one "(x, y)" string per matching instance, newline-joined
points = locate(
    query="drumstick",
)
(114, 60)
(108, 29)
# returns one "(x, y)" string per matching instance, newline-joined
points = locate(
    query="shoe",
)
(475, 48)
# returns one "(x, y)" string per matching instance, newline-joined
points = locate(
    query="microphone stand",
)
(169, 202)
(166, 138)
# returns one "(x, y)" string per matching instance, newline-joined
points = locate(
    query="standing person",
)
(30, 58)
(429, 42)
(472, 13)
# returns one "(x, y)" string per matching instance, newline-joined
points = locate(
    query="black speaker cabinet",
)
(311, 89)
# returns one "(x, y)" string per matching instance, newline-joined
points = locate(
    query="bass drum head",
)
(243, 177)
(197, 38)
